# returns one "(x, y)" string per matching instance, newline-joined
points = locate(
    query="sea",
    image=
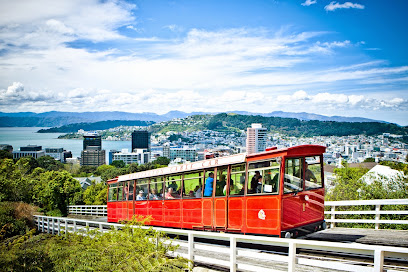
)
(23, 136)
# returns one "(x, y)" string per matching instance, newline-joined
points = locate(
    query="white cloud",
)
(228, 69)
(309, 2)
(336, 5)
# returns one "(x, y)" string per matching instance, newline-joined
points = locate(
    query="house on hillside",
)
(87, 181)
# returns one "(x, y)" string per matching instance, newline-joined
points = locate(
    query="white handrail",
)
(377, 212)
(234, 257)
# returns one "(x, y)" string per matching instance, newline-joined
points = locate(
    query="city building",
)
(31, 148)
(139, 156)
(140, 140)
(92, 154)
(93, 157)
(56, 153)
(34, 151)
(92, 139)
(110, 155)
(256, 139)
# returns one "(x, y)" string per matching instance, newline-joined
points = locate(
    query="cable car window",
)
(142, 188)
(173, 187)
(221, 183)
(237, 180)
(120, 191)
(156, 188)
(129, 190)
(193, 184)
(313, 173)
(264, 177)
(208, 184)
(293, 175)
(113, 192)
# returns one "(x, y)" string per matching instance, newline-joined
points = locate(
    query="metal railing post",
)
(66, 226)
(233, 254)
(377, 216)
(191, 248)
(378, 260)
(75, 228)
(59, 226)
(333, 216)
(42, 219)
(52, 225)
(291, 257)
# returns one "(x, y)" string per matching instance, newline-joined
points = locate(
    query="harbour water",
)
(23, 136)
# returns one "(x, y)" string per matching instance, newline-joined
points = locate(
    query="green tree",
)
(118, 164)
(112, 173)
(162, 161)
(49, 163)
(132, 168)
(87, 169)
(102, 168)
(26, 165)
(4, 154)
(95, 194)
(347, 184)
(55, 190)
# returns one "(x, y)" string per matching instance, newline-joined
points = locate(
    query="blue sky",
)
(345, 58)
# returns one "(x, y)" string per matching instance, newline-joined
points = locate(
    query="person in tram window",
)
(254, 182)
(208, 190)
(170, 194)
(309, 174)
(140, 196)
(153, 195)
(173, 185)
(191, 194)
(224, 191)
(198, 190)
(259, 186)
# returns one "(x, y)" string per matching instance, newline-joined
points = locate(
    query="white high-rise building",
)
(256, 139)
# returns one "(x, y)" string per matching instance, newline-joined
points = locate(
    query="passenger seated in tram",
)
(259, 186)
(153, 195)
(254, 182)
(170, 194)
(140, 196)
(231, 187)
(198, 190)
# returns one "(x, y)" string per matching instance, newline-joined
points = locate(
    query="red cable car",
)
(279, 192)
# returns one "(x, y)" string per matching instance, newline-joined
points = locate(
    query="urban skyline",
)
(324, 57)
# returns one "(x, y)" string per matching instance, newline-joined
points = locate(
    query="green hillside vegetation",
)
(233, 123)
(96, 126)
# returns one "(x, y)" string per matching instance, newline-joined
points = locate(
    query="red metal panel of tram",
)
(192, 214)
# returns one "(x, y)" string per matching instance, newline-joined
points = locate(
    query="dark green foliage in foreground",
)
(129, 249)
(15, 219)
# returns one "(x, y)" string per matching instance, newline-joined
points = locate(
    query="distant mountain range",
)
(57, 118)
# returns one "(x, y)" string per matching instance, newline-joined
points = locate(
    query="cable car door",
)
(220, 198)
